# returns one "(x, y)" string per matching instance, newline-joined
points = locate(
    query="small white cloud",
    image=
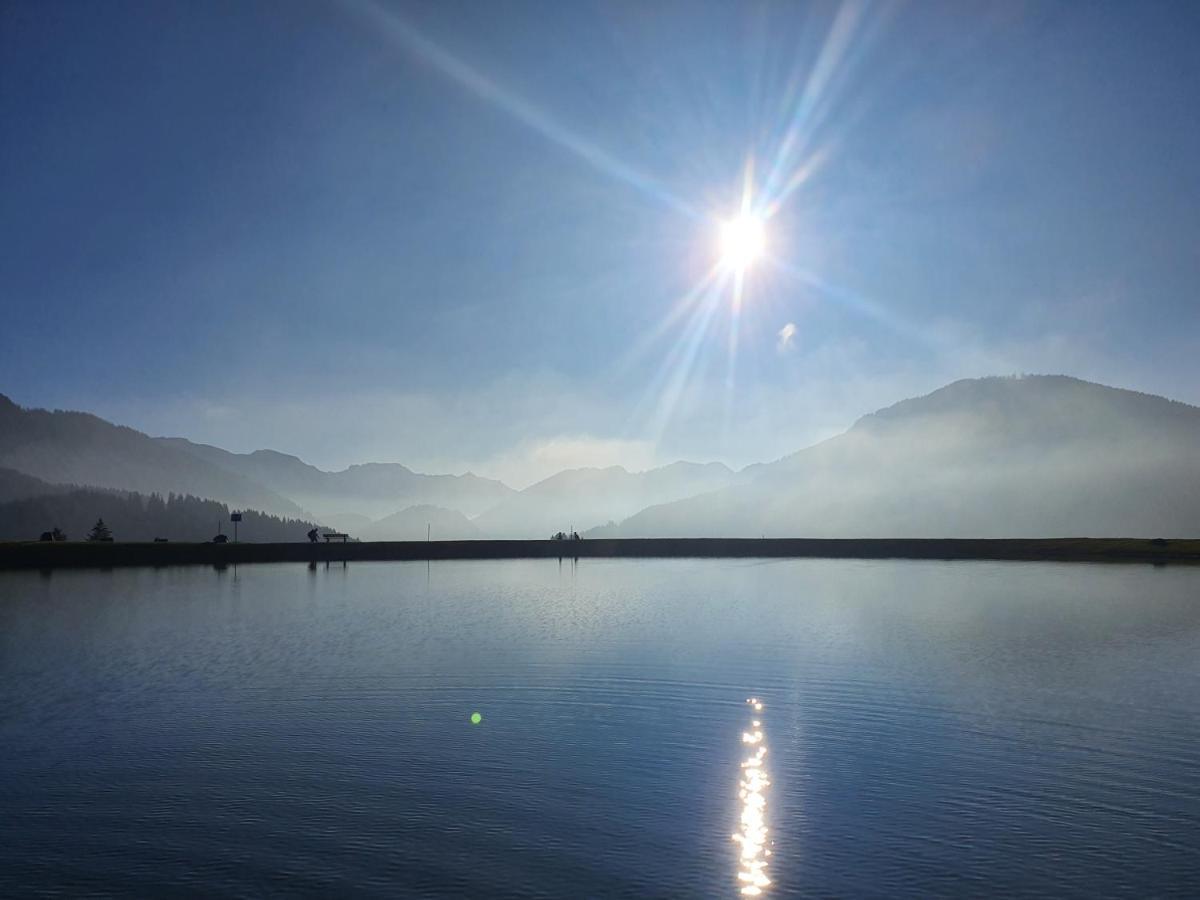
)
(786, 335)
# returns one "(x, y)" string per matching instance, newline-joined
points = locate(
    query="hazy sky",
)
(471, 235)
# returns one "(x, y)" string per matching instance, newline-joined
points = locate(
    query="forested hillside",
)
(138, 517)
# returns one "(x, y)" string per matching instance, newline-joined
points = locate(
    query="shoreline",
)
(46, 555)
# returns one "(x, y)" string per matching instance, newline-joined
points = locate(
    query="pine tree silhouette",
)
(99, 532)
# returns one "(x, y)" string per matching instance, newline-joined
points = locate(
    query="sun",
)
(743, 241)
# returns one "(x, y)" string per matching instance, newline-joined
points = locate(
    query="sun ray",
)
(815, 100)
(415, 42)
(680, 308)
(662, 395)
(735, 319)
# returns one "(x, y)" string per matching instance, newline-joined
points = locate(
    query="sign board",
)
(235, 517)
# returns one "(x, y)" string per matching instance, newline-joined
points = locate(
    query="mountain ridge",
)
(372, 489)
(78, 448)
(995, 457)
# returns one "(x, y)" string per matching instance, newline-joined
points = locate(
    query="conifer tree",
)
(100, 532)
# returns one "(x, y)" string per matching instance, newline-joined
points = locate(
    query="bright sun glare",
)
(743, 241)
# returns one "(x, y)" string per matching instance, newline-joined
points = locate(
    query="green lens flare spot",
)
(476, 718)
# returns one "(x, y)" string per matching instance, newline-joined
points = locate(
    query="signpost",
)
(235, 518)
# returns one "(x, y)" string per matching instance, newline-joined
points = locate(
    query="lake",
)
(926, 729)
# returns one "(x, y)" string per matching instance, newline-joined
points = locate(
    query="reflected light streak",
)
(395, 27)
(752, 831)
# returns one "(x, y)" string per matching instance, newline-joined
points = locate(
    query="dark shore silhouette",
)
(51, 555)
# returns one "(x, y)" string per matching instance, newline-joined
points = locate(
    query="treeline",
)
(139, 517)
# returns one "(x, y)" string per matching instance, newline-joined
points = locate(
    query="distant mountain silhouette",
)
(410, 525)
(583, 498)
(372, 489)
(1029, 456)
(82, 449)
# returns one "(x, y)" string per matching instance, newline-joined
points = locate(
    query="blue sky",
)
(458, 235)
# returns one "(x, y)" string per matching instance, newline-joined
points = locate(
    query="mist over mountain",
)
(583, 498)
(1027, 456)
(82, 449)
(410, 525)
(16, 485)
(350, 523)
(370, 490)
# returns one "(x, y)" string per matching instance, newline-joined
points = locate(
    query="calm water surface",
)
(925, 729)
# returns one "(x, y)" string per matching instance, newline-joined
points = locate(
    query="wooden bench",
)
(336, 536)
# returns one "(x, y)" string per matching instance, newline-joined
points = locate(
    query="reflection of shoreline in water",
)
(752, 785)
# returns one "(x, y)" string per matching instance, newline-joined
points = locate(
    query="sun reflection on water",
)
(752, 789)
